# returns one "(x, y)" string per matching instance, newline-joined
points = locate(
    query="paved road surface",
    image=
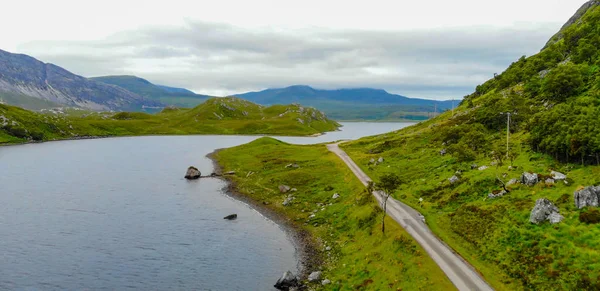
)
(456, 268)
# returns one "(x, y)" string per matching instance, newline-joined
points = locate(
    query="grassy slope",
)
(361, 256)
(493, 234)
(216, 116)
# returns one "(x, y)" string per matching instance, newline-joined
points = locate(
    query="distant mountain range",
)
(32, 84)
(359, 103)
(26, 77)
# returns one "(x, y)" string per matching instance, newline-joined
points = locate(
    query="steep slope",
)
(455, 168)
(216, 116)
(164, 94)
(24, 75)
(360, 103)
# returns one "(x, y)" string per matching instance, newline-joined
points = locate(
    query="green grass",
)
(361, 257)
(494, 235)
(215, 116)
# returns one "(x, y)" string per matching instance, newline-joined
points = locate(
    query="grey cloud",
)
(437, 63)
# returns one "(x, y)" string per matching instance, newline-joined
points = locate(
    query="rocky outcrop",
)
(284, 188)
(314, 276)
(288, 280)
(529, 179)
(192, 173)
(231, 217)
(587, 197)
(545, 210)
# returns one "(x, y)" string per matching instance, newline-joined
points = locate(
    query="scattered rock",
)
(328, 249)
(494, 163)
(544, 210)
(372, 161)
(284, 188)
(443, 152)
(230, 217)
(529, 179)
(588, 196)
(558, 176)
(336, 196)
(496, 194)
(288, 280)
(314, 276)
(512, 182)
(380, 160)
(293, 190)
(549, 181)
(295, 166)
(482, 168)
(288, 200)
(474, 166)
(453, 179)
(192, 173)
(325, 282)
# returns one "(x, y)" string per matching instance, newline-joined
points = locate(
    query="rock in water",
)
(588, 196)
(529, 179)
(287, 281)
(192, 173)
(558, 176)
(544, 210)
(230, 217)
(284, 188)
(314, 276)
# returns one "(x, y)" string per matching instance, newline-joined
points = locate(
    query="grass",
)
(494, 235)
(215, 116)
(361, 257)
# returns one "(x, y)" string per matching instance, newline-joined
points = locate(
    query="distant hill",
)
(164, 94)
(347, 104)
(22, 75)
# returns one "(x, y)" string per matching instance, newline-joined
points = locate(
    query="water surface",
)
(116, 213)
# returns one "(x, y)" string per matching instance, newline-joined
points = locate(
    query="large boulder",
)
(558, 176)
(529, 179)
(545, 210)
(192, 173)
(314, 276)
(284, 188)
(588, 196)
(287, 281)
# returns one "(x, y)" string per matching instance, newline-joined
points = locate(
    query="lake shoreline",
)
(308, 254)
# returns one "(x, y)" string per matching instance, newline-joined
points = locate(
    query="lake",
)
(116, 213)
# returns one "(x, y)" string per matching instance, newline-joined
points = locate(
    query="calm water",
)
(114, 214)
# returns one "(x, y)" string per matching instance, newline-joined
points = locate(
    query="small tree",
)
(387, 184)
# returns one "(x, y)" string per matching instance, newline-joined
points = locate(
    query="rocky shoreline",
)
(309, 256)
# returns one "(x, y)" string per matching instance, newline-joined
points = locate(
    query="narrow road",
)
(462, 275)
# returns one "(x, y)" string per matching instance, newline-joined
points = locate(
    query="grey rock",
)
(288, 280)
(325, 282)
(443, 152)
(512, 182)
(558, 176)
(494, 163)
(453, 179)
(293, 190)
(230, 217)
(288, 200)
(497, 195)
(295, 166)
(549, 181)
(192, 173)
(328, 248)
(482, 168)
(529, 179)
(229, 173)
(474, 166)
(372, 161)
(336, 196)
(284, 188)
(544, 210)
(380, 160)
(314, 276)
(587, 197)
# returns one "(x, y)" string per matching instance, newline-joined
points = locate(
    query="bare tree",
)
(387, 184)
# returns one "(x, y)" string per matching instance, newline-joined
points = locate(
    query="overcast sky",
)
(435, 49)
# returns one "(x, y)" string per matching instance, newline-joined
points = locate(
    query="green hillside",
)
(554, 97)
(166, 95)
(215, 116)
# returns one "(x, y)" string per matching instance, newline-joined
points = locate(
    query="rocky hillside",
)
(25, 76)
(525, 217)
